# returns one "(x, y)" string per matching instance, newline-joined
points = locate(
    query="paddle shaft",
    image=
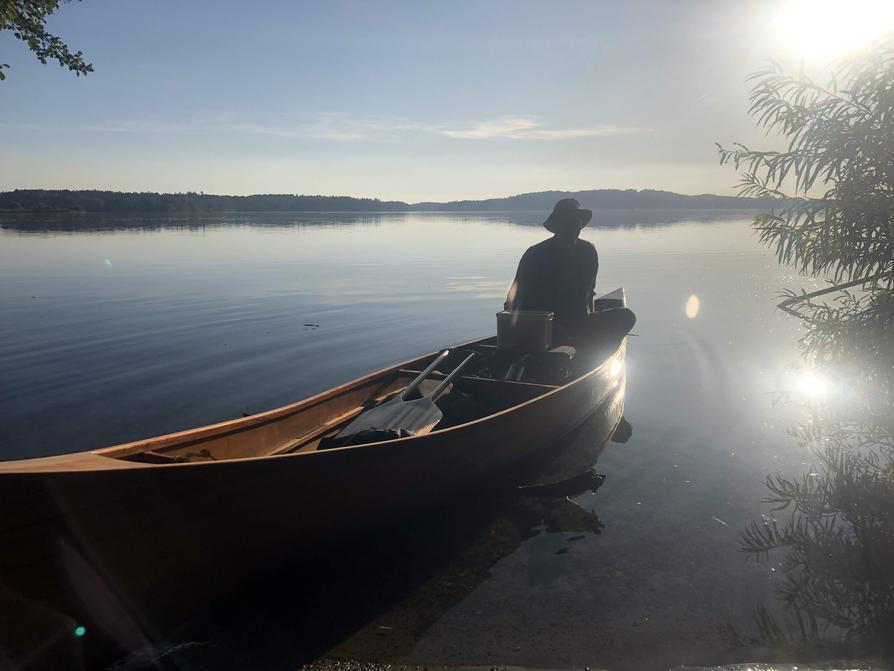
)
(424, 374)
(447, 380)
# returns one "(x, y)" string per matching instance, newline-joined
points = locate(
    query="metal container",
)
(525, 330)
(615, 299)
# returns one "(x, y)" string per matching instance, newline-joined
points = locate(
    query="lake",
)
(119, 328)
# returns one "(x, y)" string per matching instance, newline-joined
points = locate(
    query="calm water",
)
(111, 334)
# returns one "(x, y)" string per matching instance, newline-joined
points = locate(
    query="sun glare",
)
(831, 28)
(813, 386)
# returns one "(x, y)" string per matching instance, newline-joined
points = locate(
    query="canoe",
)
(110, 539)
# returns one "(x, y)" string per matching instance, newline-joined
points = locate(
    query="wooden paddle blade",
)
(417, 416)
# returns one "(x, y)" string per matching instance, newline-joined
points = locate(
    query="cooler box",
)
(615, 299)
(525, 330)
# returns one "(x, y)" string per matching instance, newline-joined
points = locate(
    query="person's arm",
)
(510, 302)
(518, 291)
(591, 280)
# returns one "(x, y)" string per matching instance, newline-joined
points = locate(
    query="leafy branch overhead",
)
(27, 20)
(839, 161)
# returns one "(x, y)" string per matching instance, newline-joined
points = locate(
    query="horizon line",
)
(379, 199)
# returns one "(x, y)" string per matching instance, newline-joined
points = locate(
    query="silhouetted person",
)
(559, 275)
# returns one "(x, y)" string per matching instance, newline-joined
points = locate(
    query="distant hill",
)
(40, 200)
(601, 199)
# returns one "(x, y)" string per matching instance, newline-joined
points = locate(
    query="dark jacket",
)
(556, 277)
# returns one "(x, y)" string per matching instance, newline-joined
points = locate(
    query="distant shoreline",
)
(45, 201)
(374, 212)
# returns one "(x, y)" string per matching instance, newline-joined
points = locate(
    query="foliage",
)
(27, 20)
(840, 141)
(835, 220)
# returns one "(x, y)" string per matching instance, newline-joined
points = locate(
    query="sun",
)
(827, 29)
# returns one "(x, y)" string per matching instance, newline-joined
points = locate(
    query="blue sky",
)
(397, 100)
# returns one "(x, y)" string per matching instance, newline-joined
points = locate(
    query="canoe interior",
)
(299, 428)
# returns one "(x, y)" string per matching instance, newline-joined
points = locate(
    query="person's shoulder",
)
(543, 244)
(540, 248)
(586, 247)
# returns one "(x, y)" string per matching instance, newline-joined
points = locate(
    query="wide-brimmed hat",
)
(567, 209)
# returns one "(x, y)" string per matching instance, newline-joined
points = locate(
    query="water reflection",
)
(41, 223)
(829, 530)
(811, 387)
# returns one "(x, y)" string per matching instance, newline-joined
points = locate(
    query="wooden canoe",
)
(108, 539)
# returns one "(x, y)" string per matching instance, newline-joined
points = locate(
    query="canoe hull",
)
(126, 551)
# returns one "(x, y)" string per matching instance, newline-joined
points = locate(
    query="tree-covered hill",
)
(117, 201)
(601, 199)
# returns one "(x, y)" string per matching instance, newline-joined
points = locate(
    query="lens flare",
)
(692, 306)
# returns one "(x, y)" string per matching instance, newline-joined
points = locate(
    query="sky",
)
(413, 101)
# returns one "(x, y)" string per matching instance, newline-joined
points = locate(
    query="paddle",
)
(417, 417)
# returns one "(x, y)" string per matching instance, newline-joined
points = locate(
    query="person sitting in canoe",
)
(558, 275)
